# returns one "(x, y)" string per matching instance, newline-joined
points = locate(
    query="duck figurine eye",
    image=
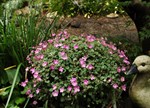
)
(143, 64)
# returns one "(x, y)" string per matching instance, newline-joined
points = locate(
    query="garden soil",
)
(121, 26)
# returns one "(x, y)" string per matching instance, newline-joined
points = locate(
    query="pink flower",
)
(74, 83)
(40, 44)
(122, 79)
(123, 87)
(73, 79)
(65, 47)
(23, 84)
(28, 92)
(54, 87)
(53, 34)
(27, 69)
(50, 41)
(90, 66)
(109, 80)
(57, 45)
(55, 93)
(65, 32)
(76, 89)
(76, 46)
(28, 58)
(92, 77)
(82, 63)
(63, 39)
(61, 69)
(85, 82)
(84, 58)
(34, 102)
(90, 38)
(115, 86)
(121, 56)
(112, 46)
(69, 88)
(103, 42)
(39, 78)
(30, 95)
(90, 46)
(52, 67)
(37, 91)
(44, 64)
(61, 90)
(123, 69)
(126, 61)
(39, 48)
(44, 45)
(32, 70)
(39, 57)
(55, 62)
(26, 80)
(63, 55)
(36, 74)
(60, 34)
(37, 51)
(119, 69)
(34, 85)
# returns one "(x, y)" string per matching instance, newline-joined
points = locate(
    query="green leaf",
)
(20, 100)
(11, 74)
(3, 77)
(3, 91)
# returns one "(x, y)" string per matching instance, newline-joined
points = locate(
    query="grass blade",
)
(13, 85)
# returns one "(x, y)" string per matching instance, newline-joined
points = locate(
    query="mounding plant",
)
(69, 71)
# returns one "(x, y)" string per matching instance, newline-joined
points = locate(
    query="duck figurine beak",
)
(133, 70)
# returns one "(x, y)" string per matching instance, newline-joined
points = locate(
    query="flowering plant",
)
(75, 71)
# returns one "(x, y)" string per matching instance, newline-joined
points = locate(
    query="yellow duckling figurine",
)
(139, 90)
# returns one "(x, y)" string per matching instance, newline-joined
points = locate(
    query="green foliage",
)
(18, 35)
(144, 34)
(142, 19)
(145, 31)
(85, 7)
(76, 71)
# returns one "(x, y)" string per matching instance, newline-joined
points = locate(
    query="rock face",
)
(103, 26)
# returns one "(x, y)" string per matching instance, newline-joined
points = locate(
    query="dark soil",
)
(101, 25)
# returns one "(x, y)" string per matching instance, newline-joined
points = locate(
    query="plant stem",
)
(26, 103)
(114, 100)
